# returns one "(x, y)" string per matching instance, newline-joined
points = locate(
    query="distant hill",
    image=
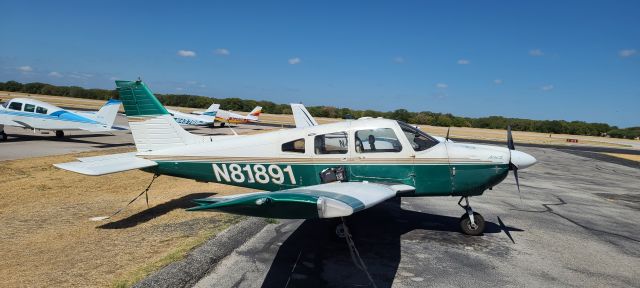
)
(424, 117)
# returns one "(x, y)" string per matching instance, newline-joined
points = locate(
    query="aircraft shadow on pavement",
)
(312, 256)
(155, 211)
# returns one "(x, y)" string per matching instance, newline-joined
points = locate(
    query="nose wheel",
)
(471, 223)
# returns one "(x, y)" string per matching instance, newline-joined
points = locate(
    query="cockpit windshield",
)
(4, 104)
(419, 140)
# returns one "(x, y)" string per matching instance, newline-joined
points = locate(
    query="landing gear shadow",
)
(313, 256)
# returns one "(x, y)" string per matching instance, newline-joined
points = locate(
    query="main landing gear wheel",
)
(3, 136)
(59, 133)
(471, 223)
(222, 124)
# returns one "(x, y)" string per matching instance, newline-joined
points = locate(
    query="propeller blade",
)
(515, 174)
(510, 139)
(448, 130)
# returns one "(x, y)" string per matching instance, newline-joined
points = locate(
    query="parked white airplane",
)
(38, 115)
(206, 118)
(225, 116)
(325, 171)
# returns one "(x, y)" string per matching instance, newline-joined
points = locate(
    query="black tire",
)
(3, 135)
(222, 124)
(59, 134)
(465, 224)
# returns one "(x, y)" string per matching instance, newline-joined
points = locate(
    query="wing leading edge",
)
(319, 201)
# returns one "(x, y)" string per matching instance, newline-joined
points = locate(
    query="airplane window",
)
(4, 104)
(15, 106)
(41, 110)
(332, 143)
(419, 140)
(377, 140)
(29, 107)
(296, 146)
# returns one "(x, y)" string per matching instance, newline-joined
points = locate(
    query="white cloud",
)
(627, 52)
(442, 85)
(547, 87)
(398, 60)
(180, 89)
(294, 61)
(464, 62)
(25, 69)
(222, 51)
(536, 52)
(192, 82)
(186, 53)
(202, 86)
(55, 74)
(497, 81)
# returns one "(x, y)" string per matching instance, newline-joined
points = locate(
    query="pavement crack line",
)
(562, 202)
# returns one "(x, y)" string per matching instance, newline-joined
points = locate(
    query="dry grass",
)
(456, 132)
(48, 240)
(625, 156)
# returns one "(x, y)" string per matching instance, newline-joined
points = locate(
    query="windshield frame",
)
(415, 130)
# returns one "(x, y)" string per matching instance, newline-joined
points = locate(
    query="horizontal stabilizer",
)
(320, 201)
(101, 165)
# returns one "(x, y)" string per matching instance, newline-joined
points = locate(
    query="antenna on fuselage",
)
(448, 130)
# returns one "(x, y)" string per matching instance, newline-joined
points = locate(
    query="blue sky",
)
(571, 60)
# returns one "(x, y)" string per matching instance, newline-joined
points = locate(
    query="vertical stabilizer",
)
(108, 112)
(255, 113)
(152, 126)
(212, 110)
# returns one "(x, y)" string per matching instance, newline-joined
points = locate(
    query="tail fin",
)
(301, 116)
(212, 110)
(255, 112)
(108, 112)
(152, 126)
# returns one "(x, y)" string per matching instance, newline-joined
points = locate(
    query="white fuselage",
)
(192, 119)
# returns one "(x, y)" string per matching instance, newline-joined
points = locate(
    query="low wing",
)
(101, 165)
(329, 200)
(301, 116)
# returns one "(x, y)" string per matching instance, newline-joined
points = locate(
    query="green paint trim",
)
(138, 100)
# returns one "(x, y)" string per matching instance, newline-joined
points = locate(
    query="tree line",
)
(425, 117)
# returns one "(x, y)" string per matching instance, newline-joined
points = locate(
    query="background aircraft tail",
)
(151, 125)
(212, 110)
(108, 112)
(255, 113)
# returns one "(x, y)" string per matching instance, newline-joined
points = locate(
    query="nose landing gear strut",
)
(471, 223)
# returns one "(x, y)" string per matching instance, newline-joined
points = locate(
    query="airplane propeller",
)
(512, 166)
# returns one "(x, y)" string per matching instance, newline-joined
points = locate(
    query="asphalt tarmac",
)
(575, 227)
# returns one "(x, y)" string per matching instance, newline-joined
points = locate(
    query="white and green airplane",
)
(320, 171)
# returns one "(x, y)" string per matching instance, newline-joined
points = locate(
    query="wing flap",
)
(319, 201)
(101, 165)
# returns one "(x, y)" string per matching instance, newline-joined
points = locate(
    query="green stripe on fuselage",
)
(428, 179)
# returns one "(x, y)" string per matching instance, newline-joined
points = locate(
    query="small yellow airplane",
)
(316, 171)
